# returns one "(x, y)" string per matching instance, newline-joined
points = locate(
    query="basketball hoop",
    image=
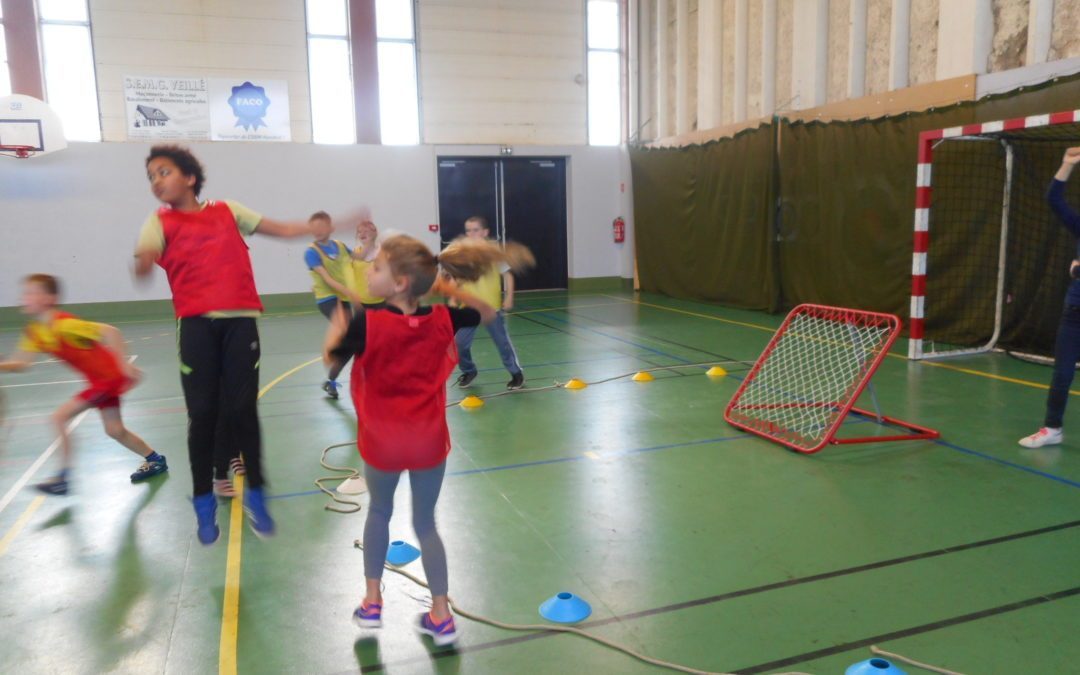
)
(17, 151)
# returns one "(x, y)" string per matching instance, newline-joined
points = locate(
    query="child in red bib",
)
(403, 354)
(97, 352)
(200, 245)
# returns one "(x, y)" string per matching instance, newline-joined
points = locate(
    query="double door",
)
(523, 199)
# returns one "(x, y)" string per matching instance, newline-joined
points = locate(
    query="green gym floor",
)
(693, 542)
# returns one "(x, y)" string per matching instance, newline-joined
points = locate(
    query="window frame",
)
(88, 25)
(620, 51)
(414, 41)
(345, 38)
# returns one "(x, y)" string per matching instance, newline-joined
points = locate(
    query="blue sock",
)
(62, 475)
(154, 457)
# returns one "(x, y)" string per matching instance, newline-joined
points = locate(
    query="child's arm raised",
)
(293, 229)
(283, 229)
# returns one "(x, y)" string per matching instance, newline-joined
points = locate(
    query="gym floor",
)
(693, 542)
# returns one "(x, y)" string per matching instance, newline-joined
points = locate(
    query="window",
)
(68, 53)
(5, 73)
(399, 110)
(605, 77)
(333, 119)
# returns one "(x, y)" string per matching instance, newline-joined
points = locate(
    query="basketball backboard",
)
(28, 127)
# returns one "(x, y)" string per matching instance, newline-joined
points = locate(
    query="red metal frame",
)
(924, 195)
(851, 395)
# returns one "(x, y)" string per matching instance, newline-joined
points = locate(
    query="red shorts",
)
(103, 395)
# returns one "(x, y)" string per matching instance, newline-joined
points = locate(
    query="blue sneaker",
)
(206, 514)
(368, 616)
(255, 507)
(54, 486)
(442, 633)
(149, 470)
(331, 388)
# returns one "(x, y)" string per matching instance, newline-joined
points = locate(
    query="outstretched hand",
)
(444, 286)
(1072, 156)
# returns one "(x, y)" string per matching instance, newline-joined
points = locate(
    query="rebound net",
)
(810, 375)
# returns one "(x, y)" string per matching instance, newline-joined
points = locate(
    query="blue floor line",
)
(1005, 462)
(613, 337)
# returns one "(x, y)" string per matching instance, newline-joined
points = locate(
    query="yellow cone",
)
(575, 384)
(643, 377)
(716, 371)
(472, 402)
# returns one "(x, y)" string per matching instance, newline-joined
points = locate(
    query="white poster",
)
(167, 107)
(249, 110)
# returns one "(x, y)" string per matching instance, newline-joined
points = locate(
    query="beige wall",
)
(502, 71)
(1006, 35)
(491, 71)
(199, 38)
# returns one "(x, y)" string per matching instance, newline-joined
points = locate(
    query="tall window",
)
(399, 110)
(604, 59)
(68, 53)
(5, 74)
(333, 118)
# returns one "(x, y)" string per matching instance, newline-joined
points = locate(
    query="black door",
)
(523, 200)
(534, 214)
(467, 187)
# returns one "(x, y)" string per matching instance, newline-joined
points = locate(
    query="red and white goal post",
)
(808, 378)
(1005, 132)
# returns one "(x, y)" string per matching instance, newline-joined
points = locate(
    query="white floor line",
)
(45, 455)
(21, 483)
(38, 384)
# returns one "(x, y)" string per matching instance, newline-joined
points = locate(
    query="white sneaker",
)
(1044, 436)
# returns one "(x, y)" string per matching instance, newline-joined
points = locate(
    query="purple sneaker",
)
(368, 615)
(443, 633)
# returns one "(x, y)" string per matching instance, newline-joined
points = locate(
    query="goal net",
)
(990, 264)
(810, 375)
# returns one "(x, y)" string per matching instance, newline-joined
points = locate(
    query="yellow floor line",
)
(555, 309)
(230, 611)
(966, 371)
(19, 524)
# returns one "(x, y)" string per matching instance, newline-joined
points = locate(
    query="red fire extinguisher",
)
(619, 227)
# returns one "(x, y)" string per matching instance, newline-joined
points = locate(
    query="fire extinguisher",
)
(619, 230)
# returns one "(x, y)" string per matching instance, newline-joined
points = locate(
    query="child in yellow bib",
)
(363, 256)
(496, 288)
(330, 263)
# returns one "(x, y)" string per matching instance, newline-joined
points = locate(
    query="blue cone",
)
(874, 666)
(565, 608)
(401, 553)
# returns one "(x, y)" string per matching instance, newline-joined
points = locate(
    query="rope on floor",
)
(560, 629)
(353, 507)
(925, 666)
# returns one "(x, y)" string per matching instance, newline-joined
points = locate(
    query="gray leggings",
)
(425, 493)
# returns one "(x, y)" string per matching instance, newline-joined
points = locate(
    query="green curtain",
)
(797, 212)
(703, 220)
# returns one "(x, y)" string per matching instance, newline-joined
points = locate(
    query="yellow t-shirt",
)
(360, 268)
(488, 287)
(45, 338)
(152, 238)
(339, 268)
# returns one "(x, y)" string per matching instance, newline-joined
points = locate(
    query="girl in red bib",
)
(403, 354)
